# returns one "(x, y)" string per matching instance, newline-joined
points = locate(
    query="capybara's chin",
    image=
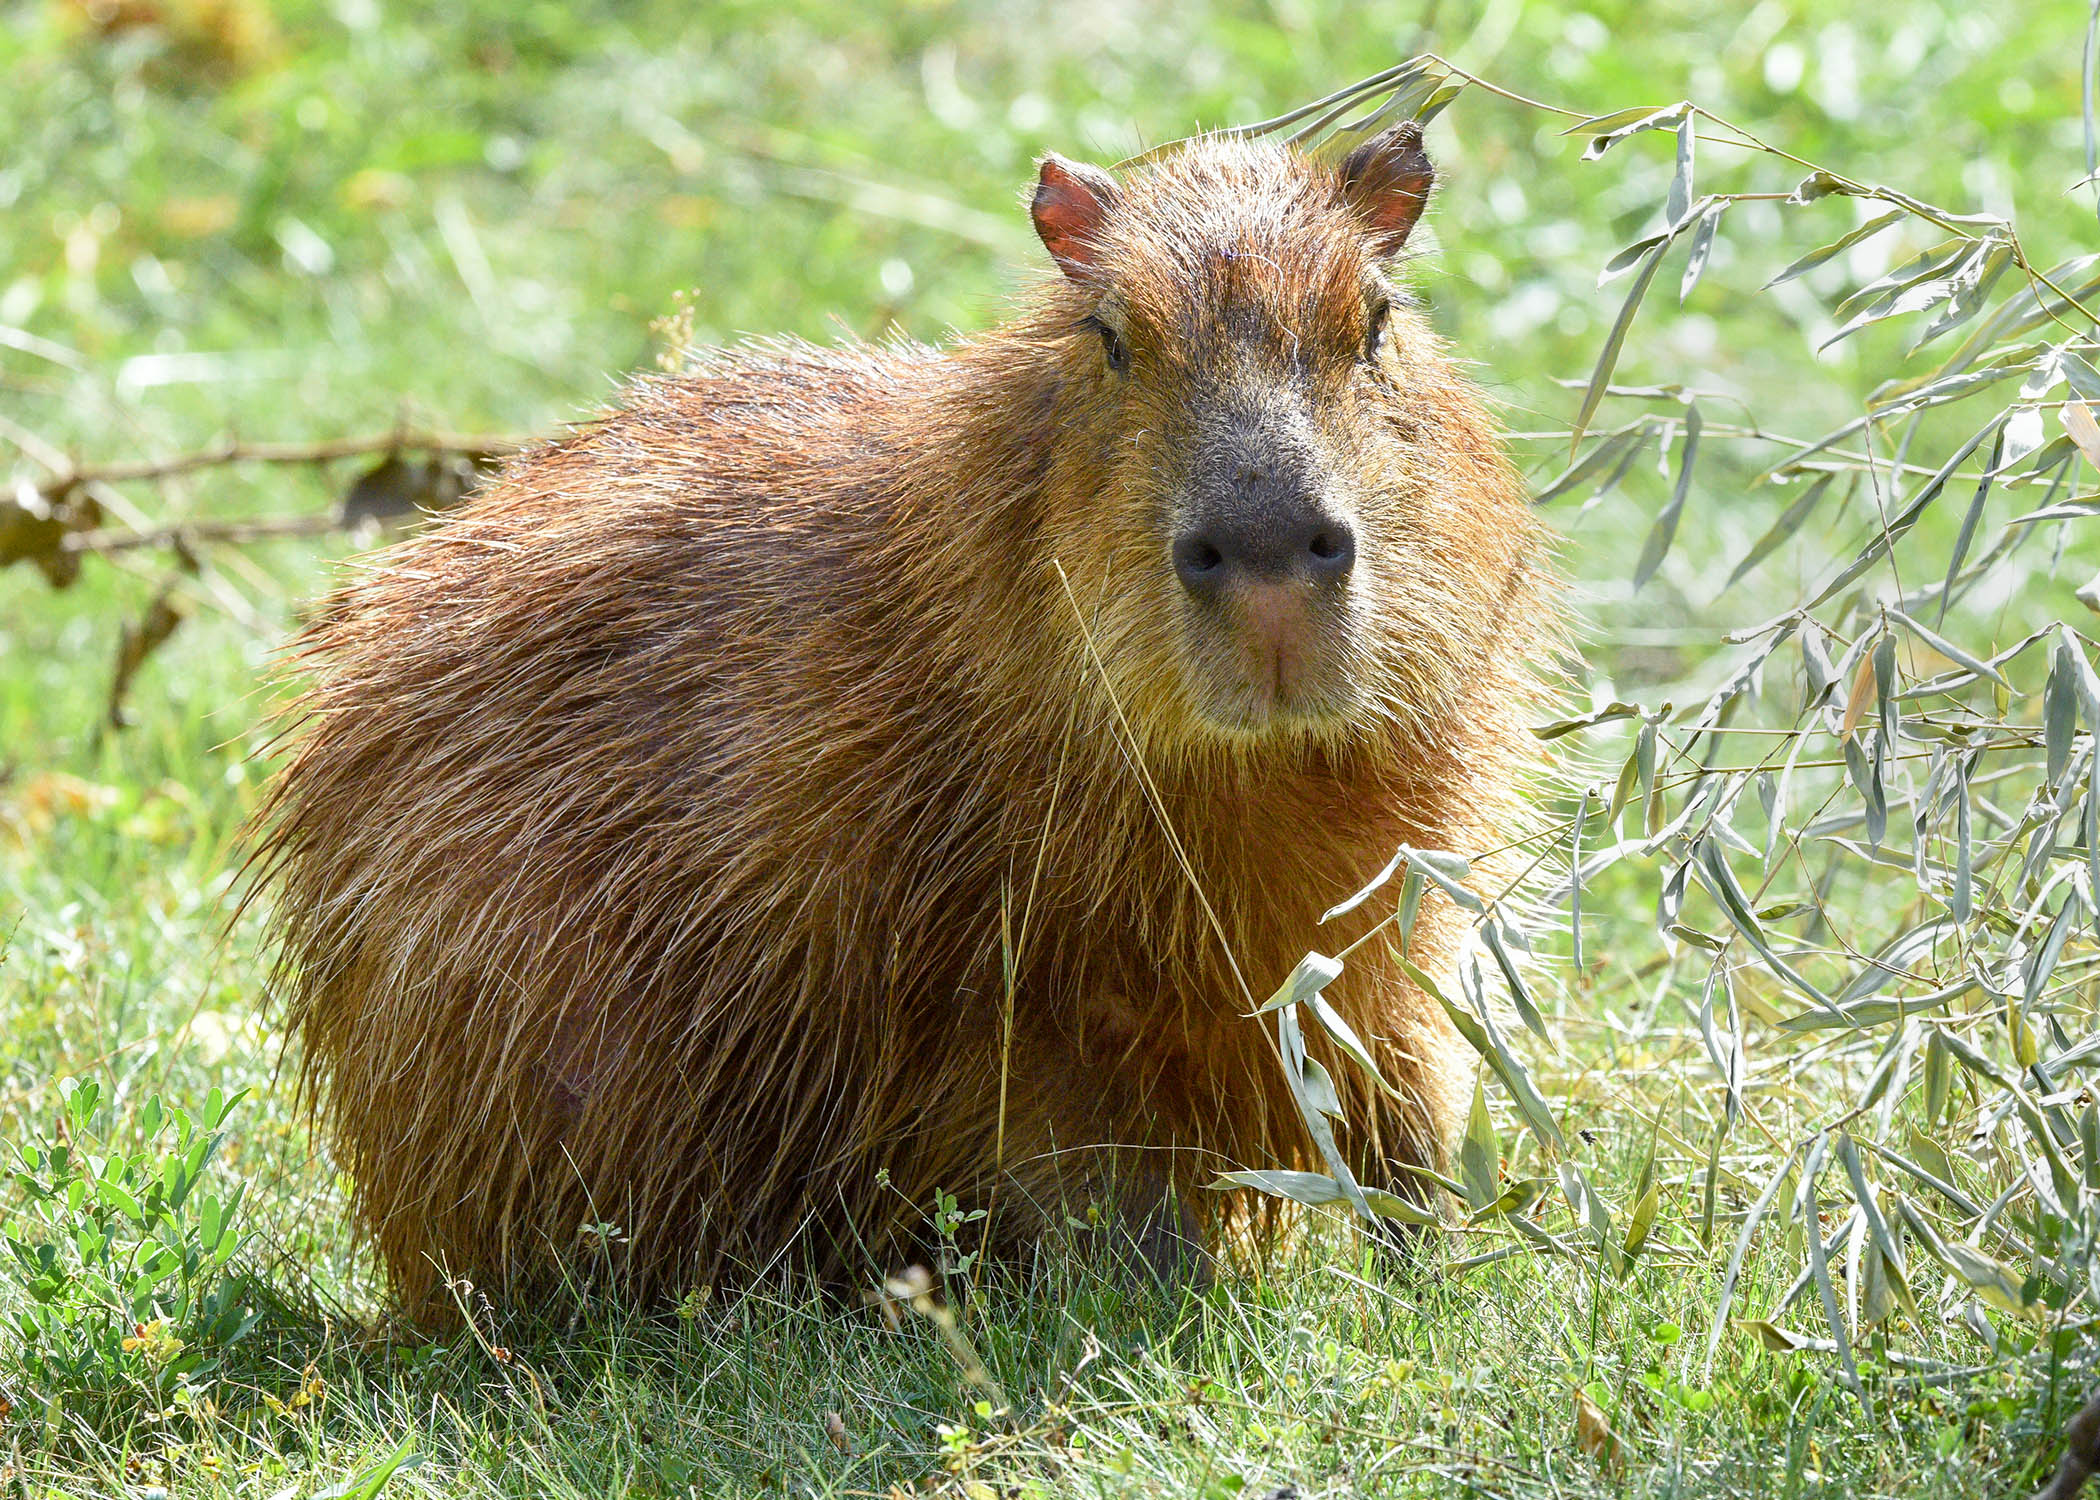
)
(788, 797)
(1246, 714)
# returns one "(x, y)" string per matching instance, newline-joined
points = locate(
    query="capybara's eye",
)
(1112, 345)
(1374, 336)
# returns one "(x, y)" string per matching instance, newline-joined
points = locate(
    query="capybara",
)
(842, 775)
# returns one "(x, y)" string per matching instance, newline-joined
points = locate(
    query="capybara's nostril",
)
(1199, 563)
(1332, 551)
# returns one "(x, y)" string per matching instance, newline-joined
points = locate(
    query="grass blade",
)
(1819, 1270)
(1734, 1270)
(368, 1484)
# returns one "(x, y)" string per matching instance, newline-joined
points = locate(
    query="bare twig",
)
(191, 533)
(466, 445)
(59, 530)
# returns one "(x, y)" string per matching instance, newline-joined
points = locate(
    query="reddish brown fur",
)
(653, 823)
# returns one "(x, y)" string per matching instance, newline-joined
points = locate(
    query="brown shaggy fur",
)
(734, 803)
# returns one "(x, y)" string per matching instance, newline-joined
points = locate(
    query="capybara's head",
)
(1259, 507)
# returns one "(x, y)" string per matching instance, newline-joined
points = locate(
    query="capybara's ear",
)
(1385, 181)
(1071, 202)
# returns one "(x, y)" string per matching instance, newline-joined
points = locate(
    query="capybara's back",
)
(839, 776)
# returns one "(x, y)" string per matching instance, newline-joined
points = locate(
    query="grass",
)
(309, 221)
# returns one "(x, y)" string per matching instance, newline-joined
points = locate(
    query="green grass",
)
(472, 220)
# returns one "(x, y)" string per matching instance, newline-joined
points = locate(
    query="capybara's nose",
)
(1224, 551)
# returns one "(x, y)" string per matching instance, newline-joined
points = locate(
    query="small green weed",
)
(124, 1258)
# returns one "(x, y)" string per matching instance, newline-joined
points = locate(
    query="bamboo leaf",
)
(1480, 1155)
(1314, 973)
(2087, 55)
(2082, 430)
(1492, 933)
(1344, 1036)
(1972, 289)
(1709, 1193)
(1590, 1211)
(1343, 908)
(1865, 773)
(1630, 256)
(1885, 540)
(1608, 358)
(1628, 780)
(1641, 1225)
(1317, 1190)
(1604, 715)
(1621, 444)
(1582, 813)
(1718, 878)
(1313, 1092)
(1392, 1206)
(1962, 901)
(1788, 523)
(1948, 649)
(1613, 132)
(1926, 288)
(1984, 1274)
(1486, 1039)
(1313, 1189)
(1679, 200)
(1836, 247)
(1599, 124)
(1702, 248)
(1862, 1194)
(1444, 871)
(2060, 709)
(1723, 1037)
(1517, 1199)
(1781, 1340)
(1819, 1271)
(1969, 522)
(1317, 1087)
(1884, 290)
(1665, 529)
